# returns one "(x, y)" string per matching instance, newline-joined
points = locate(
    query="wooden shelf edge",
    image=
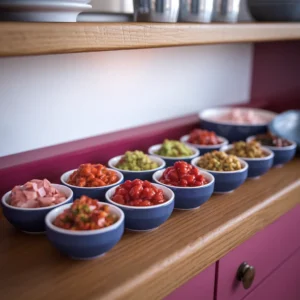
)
(203, 251)
(52, 38)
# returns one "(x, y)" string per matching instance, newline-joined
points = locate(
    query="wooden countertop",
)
(147, 265)
(49, 38)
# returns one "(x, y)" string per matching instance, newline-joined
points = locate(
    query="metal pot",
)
(113, 6)
(196, 11)
(227, 10)
(156, 10)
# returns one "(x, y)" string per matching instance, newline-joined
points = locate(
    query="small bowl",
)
(86, 244)
(282, 155)
(226, 182)
(287, 125)
(257, 166)
(92, 192)
(230, 130)
(171, 160)
(148, 218)
(143, 175)
(205, 148)
(32, 220)
(187, 198)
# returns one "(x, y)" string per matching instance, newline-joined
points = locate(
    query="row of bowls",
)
(91, 244)
(224, 182)
(86, 245)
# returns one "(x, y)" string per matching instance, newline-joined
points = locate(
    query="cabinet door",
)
(200, 287)
(264, 251)
(282, 284)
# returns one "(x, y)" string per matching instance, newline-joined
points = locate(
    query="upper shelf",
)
(50, 38)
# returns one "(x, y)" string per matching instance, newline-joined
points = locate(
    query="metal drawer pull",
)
(246, 274)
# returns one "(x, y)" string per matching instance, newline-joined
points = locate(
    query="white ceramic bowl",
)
(31, 220)
(226, 181)
(234, 131)
(85, 244)
(145, 218)
(257, 166)
(282, 155)
(187, 198)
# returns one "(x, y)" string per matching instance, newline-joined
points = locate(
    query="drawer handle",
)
(246, 274)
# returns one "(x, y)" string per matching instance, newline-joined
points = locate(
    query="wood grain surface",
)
(149, 265)
(49, 38)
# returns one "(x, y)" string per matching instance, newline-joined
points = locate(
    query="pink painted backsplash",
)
(52, 162)
(275, 75)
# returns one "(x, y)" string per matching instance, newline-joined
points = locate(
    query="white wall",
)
(47, 100)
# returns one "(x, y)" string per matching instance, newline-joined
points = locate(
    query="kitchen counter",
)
(148, 265)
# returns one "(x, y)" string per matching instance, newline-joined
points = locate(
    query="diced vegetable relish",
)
(247, 150)
(86, 214)
(88, 175)
(136, 161)
(171, 148)
(203, 137)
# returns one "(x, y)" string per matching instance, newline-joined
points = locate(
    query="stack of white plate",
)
(42, 10)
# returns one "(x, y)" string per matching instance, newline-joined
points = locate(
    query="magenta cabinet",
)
(265, 252)
(282, 284)
(200, 287)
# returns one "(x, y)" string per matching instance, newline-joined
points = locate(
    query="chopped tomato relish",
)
(203, 137)
(138, 193)
(183, 174)
(89, 175)
(86, 214)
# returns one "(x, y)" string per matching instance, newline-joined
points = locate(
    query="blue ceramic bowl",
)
(145, 218)
(143, 175)
(171, 160)
(86, 244)
(187, 198)
(287, 125)
(282, 155)
(31, 220)
(92, 192)
(205, 148)
(226, 182)
(230, 130)
(257, 166)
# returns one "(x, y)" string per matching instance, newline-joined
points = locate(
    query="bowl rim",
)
(184, 138)
(196, 153)
(120, 175)
(6, 196)
(290, 147)
(222, 110)
(245, 168)
(142, 207)
(60, 209)
(269, 151)
(159, 160)
(212, 181)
